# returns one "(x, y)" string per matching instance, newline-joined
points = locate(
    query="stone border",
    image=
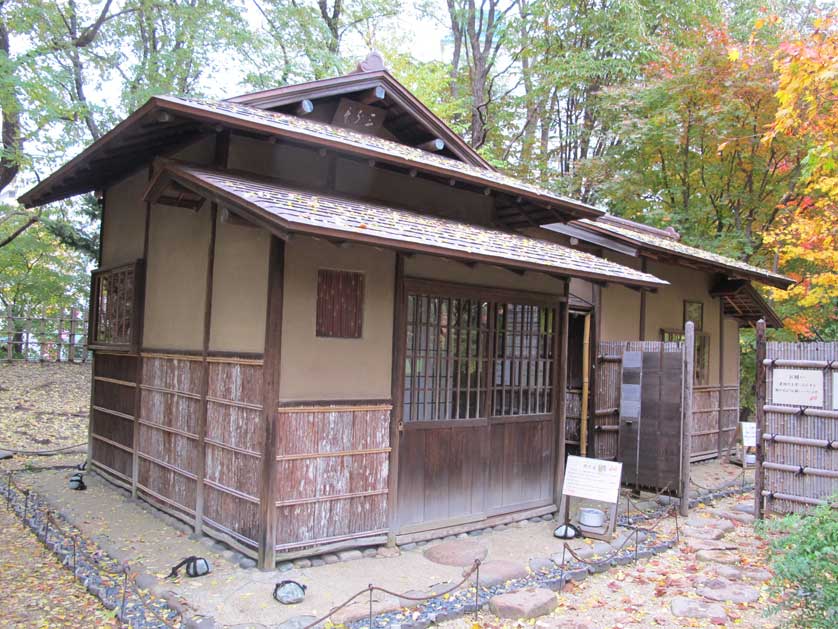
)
(100, 574)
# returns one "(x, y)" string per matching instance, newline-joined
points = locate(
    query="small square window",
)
(694, 311)
(340, 304)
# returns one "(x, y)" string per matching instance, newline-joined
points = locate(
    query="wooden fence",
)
(797, 425)
(41, 335)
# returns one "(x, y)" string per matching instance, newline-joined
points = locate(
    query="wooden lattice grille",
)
(113, 306)
(471, 358)
(340, 304)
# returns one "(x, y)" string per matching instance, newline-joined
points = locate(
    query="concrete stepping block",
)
(707, 533)
(360, 608)
(459, 552)
(725, 591)
(684, 607)
(718, 556)
(498, 571)
(526, 603)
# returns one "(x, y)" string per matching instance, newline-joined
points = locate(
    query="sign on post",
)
(592, 479)
(797, 387)
(749, 434)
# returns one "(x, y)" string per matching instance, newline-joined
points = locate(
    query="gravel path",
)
(37, 591)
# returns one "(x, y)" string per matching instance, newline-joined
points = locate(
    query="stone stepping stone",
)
(360, 608)
(725, 591)
(297, 622)
(716, 523)
(542, 564)
(526, 603)
(431, 592)
(583, 552)
(745, 507)
(744, 518)
(706, 544)
(707, 533)
(754, 575)
(718, 556)
(684, 607)
(498, 571)
(459, 552)
(621, 542)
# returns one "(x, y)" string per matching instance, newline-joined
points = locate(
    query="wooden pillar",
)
(721, 373)
(687, 419)
(759, 385)
(397, 397)
(560, 387)
(270, 404)
(642, 331)
(586, 386)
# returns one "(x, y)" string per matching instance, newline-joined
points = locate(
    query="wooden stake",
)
(721, 374)
(560, 388)
(397, 394)
(687, 418)
(760, 418)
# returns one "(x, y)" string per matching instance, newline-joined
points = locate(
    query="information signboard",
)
(797, 387)
(593, 479)
(749, 434)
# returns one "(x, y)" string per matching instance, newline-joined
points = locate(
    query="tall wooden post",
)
(270, 404)
(759, 385)
(642, 330)
(721, 374)
(687, 419)
(397, 397)
(560, 388)
(586, 386)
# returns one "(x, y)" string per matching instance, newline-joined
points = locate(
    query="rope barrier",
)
(475, 568)
(43, 452)
(129, 577)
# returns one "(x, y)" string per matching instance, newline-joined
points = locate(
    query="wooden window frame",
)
(514, 365)
(345, 323)
(131, 321)
(701, 376)
(699, 325)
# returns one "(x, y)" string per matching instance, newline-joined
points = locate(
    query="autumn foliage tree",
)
(805, 235)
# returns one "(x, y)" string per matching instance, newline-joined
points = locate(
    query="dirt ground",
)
(44, 406)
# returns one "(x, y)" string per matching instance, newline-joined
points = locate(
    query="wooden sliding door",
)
(477, 425)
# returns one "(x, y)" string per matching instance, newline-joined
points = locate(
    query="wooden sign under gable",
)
(353, 115)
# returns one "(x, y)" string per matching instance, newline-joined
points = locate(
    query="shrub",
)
(806, 568)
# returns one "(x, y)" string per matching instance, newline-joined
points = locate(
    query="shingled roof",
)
(86, 171)
(284, 210)
(645, 239)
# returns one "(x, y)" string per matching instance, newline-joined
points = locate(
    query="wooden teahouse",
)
(317, 323)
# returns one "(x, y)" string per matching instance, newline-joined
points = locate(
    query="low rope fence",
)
(112, 582)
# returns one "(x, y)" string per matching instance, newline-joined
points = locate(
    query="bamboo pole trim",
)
(228, 531)
(334, 409)
(168, 466)
(235, 361)
(797, 410)
(323, 455)
(124, 383)
(801, 441)
(176, 431)
(148, 387)
(111, 442)
(357, 494)
(237, 404)
(233, 492)
(163, 498)
(327, 540)
(814, 364)
(227, 446)
(108, 411)
(801, 469)
(192, 357)
(775, 495)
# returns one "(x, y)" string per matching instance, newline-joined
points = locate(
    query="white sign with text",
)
(749, 434)
(593, 479)
(797, 387)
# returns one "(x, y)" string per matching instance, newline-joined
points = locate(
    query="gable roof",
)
(416, 123)
(741, 301)
(136, 136)
(654, 240)
(283, 210)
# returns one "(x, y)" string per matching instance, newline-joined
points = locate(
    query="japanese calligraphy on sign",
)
(359, 117)
(797, 387)
(593, 479)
